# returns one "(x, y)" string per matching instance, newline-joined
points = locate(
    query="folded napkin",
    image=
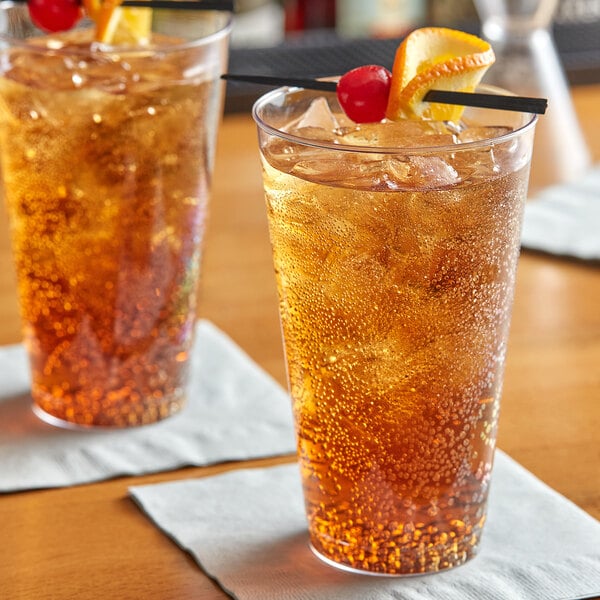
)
(235, 411)
(247, 530)
(565, 219)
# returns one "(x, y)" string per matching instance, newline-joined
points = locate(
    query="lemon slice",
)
(119, 25)
(435, 58)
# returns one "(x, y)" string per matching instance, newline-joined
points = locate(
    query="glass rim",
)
(326, 145)
(124, 50)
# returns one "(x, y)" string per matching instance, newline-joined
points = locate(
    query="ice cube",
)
(280, 154)
(359, 171)
(487, 160)
(318, 122)
(432, 172)
(475, 134)
(315, 133)
(395, 134)
(318, 166)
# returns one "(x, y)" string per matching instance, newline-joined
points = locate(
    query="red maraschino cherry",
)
(54, 15)
(363, 93)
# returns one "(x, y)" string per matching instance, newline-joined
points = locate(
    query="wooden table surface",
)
(91, 541)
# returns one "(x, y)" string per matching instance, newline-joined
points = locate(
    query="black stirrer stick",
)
(518, 103)
(311, 84)
(476, 99)
(226, 5)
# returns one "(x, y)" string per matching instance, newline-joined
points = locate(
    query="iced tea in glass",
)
(395, 247)
(106, 156)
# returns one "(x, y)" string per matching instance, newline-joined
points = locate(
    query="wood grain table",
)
(91, 541)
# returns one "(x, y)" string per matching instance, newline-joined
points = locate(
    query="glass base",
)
(151, 416)
(417, 571)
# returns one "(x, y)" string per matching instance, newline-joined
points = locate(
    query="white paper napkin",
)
(565, 219)
(246, 529)
(235, 411)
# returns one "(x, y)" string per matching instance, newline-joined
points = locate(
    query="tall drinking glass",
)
(395, 247)
(106, 156)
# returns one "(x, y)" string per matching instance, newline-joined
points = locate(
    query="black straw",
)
(182, 4)
(312, 84)
(226, 5)
(514, 103)
(517, 103)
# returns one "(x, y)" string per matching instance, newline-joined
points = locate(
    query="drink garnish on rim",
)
(435, 73)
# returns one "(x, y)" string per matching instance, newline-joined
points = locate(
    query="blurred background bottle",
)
(379, 18)
(309, 14)
(527, 63)
(257, 23)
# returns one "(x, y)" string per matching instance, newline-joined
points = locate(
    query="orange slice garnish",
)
(134, 26)
(106, 19)
(92, 7)
(435, 58)
(119, 25)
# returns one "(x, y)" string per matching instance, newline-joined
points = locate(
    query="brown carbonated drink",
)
(395, 247)
(106, 160)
